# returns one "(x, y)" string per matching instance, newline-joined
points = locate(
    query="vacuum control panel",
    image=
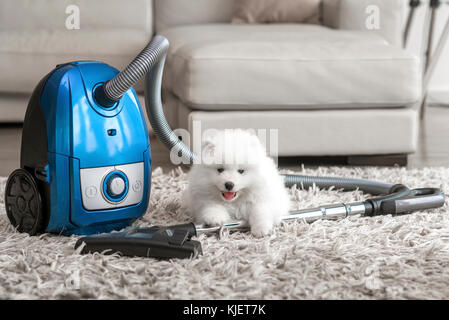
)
(112, 186)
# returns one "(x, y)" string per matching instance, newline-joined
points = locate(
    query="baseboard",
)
(355, 160)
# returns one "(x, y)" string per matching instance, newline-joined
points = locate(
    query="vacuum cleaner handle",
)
(418, 199)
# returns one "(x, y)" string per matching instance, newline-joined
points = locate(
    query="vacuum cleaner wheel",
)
(23, 202)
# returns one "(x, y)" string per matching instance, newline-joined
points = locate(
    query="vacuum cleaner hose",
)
(159, 124)
(113, 90)
(347, 184)
(161, 128)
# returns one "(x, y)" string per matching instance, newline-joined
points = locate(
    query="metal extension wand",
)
(401, 201)
(331, 212)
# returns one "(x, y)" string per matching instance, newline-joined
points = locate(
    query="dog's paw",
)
(214, 217)
(215, 221)
(260, 230)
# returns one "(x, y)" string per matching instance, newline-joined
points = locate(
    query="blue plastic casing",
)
(82, 134)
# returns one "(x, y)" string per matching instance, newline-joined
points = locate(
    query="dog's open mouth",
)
(228, 196)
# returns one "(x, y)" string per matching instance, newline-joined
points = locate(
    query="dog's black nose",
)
(229, 186)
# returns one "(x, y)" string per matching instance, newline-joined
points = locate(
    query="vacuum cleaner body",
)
(91, 163)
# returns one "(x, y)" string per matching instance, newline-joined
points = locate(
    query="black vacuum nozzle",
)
(155, 242)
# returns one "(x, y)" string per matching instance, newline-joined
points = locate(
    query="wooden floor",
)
(433, 146)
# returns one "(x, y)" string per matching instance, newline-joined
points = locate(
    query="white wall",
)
(439, 86)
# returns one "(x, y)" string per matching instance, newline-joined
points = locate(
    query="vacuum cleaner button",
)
(91, 191)
(137, 186)
(115, 186)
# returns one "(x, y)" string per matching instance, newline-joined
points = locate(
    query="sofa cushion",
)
(275, 11)
(316, 132)
(172, 13)
(288, 66)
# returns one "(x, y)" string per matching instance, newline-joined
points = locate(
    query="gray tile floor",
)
(433, 145)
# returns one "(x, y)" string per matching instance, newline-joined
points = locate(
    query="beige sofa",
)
(336, 89)
(34, 39)
(331, 89)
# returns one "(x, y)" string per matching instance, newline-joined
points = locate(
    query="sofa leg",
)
(378, 160)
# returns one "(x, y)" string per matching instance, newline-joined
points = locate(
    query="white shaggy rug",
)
(405, 257)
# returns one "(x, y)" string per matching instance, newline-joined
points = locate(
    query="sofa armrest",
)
(359, 15)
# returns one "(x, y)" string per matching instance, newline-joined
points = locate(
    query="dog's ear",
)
(209, 145)
(209, 142)
(256, 143)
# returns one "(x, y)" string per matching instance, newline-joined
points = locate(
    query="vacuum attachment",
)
(151, 242)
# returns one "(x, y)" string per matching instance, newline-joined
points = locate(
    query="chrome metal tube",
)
(331, 212)
(200, 229)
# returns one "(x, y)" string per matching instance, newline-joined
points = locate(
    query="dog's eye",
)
(220, 170)
(241, 171)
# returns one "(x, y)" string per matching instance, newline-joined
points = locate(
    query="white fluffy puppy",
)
(236, 180)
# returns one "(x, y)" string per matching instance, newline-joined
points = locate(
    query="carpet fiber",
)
(404, 257)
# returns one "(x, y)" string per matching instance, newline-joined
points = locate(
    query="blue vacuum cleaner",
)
(85, 164)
